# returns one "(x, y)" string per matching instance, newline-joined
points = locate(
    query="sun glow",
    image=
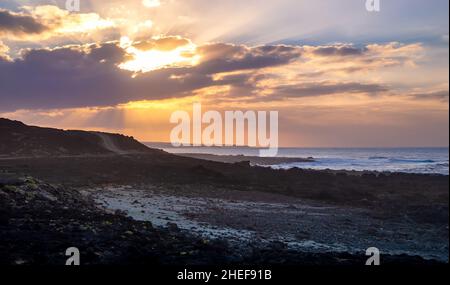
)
(151, 3)
(164, 104)
(154, 59)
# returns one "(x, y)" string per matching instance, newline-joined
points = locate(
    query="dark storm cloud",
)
(17, 24)
(338, 51)
(110, 52)
(70, 77)
(324, 88)
(219, 58)
(437, 96)
(83, 76)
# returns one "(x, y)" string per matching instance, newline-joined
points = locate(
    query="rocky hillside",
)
(18, 139)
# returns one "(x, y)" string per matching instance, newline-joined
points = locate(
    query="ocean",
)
(407, 160)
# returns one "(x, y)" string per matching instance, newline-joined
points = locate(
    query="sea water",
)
(407, 160)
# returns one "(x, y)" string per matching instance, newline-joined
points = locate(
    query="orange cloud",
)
(162, 43)
(4, 52)
(19, 24)
(44, 22)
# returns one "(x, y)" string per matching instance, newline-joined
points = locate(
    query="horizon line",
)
(306, 147)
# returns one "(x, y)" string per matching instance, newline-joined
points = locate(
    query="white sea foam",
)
(406, 160)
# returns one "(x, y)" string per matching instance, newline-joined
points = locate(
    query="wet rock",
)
(12, 181)
(302, 235)
(38, 230)
(243, 163)
(172, 227)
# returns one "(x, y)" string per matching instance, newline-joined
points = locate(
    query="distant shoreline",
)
(164, 145)
(390, 160)
(253, 160)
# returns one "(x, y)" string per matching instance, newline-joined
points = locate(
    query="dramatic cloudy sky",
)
(338, 74)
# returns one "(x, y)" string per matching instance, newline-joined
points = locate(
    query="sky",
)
(339, 75)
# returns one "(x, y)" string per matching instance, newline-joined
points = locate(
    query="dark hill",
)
(18, 139)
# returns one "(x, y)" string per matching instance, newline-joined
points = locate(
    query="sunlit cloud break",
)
(151, 3)
(322, 68)
(159, 53)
